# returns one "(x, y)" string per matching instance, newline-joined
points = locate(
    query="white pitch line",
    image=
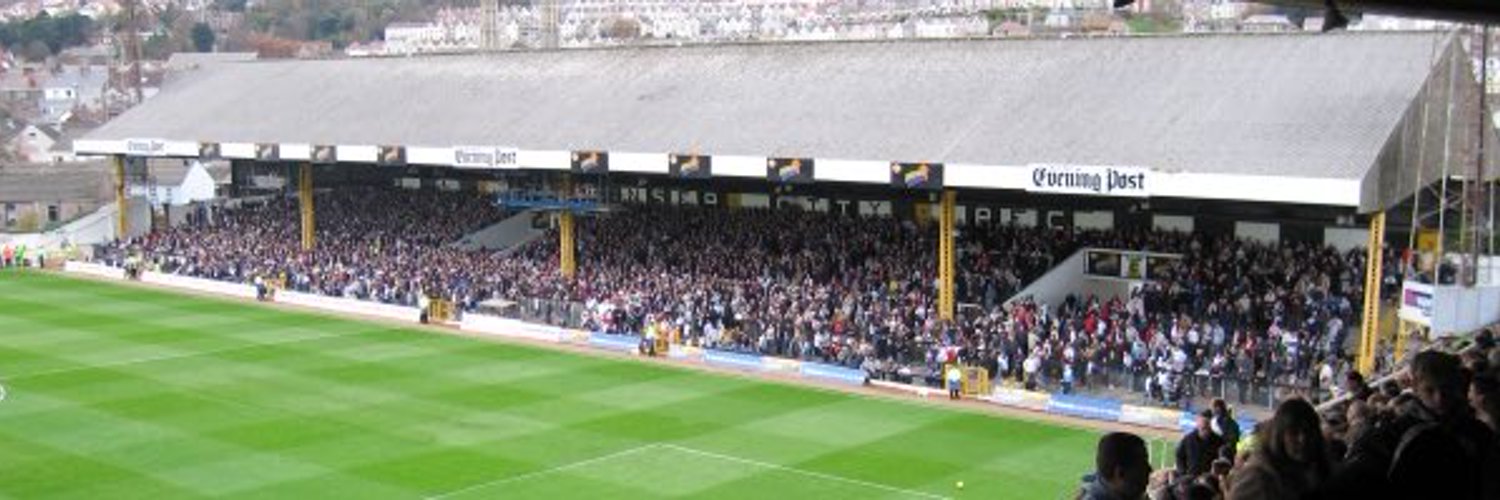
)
(170, 357)
(543, 472)
(808, 473)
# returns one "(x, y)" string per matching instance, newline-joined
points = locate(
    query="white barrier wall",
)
(92, 269)
(506, 327)
(400, 313)
(239, 290)
(1450, 309)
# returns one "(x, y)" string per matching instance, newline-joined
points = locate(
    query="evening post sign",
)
(1088, 180)
(484, 157)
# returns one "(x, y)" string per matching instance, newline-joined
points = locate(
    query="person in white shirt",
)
(1326, 380)
(1030, 366)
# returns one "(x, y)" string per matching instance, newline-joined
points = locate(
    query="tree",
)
(203, 37)
(158, 47)
(230, 5)
(57, 33)
(36, 50)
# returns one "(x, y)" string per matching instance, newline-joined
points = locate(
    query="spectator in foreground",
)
(1198, 449)
(1444, 448)
(1355, 386)
(1224, 424)
(1289, 460)
(1122, 469)
(1484, 396)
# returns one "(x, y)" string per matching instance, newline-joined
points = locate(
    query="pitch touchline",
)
(170, 357)
(808, 473)
(543, 472)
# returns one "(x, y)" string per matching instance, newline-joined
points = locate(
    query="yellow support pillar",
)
(946, 257)
(1369, 328)
(305, 201)
(565, 248)
(122, 216)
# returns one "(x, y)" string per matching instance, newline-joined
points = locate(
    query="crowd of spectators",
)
(860, 292)
(1433, 432)
(372, 244)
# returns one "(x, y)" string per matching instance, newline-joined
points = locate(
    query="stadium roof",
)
(1308, 106)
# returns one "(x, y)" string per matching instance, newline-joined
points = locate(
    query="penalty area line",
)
(807, 473)
(543, 472)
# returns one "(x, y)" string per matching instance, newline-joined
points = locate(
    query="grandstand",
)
(1114, 230)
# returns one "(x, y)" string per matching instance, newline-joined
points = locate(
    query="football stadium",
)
(1232, 266)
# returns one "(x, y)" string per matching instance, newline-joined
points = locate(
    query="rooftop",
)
(1289, 105)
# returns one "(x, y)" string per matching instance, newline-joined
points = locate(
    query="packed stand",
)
(383, 245)
(855, 291)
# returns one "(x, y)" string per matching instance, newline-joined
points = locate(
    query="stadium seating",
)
(856, 292)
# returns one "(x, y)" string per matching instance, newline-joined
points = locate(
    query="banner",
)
(690, 166)
(1189, 421)
(1031, 400)
(784, 365)
(789, 170)
(590, 162)
(1085, 407)
(927, 176)
(1102, 263)
(733, 360)
(1128, 265)
(145, 147)
(627, 343)
(1150, 417)
(835, 373)
(684, 352)
(209, 151)
(1088, 180)
(1160, 266)
(393, 156)
(1427, 240)
(485, 157)
(1416, 303)
(324, 154)
(267, 152)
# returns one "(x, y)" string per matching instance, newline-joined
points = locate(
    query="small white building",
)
(33, 143)
(412, 38)
(180, 182)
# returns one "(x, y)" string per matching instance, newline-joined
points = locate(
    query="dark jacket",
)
(1258, 479)
(1196, 454)
(1094, 489)
(1228, 428)
(1443, 459)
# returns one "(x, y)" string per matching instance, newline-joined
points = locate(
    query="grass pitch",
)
(120, 392)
